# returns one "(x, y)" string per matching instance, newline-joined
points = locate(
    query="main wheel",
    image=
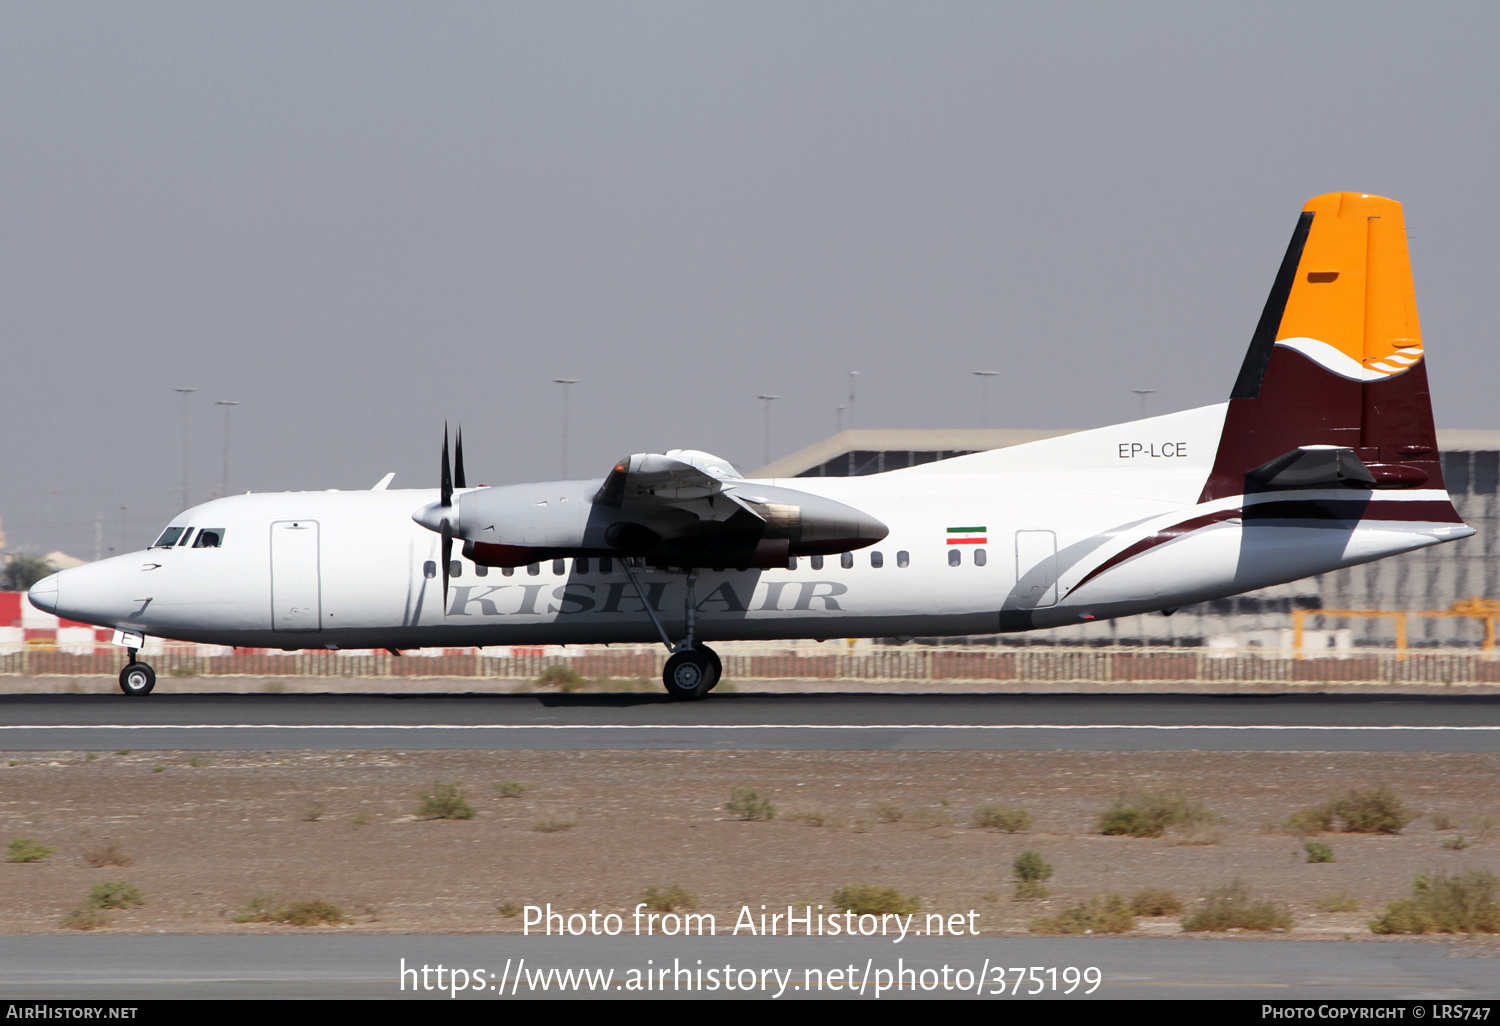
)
(688, 675)
(718, 670)
(137, 679)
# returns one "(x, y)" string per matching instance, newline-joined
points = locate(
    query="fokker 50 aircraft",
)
(1323, 457)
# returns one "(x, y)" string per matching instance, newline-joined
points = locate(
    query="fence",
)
(906, 663)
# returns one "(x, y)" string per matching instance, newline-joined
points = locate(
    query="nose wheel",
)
(691, 673)
(137, 678)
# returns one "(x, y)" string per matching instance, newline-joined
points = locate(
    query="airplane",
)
(1323, 457)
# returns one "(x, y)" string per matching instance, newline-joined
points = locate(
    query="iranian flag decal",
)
(966, 536)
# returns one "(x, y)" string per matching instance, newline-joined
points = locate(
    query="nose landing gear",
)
(137, 678)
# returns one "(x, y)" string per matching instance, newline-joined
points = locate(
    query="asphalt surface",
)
(370, 967)
(1448, 723)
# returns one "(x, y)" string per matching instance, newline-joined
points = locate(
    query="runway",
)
(81, 968)
(849, 722)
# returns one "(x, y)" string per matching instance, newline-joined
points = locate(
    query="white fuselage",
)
(352, 570)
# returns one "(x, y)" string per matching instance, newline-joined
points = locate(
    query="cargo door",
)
(296, 590)
(1036, 568)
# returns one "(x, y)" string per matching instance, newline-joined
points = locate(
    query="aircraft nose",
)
(43, 594)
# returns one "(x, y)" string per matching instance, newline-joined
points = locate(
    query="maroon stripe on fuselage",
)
(1348, 511)
(1161, 537)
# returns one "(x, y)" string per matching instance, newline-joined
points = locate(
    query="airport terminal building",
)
(1435, 587)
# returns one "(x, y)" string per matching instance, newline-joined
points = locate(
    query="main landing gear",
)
(693, 669)
(137, 678)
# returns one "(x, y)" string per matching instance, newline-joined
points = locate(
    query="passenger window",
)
(606, 565)
(559, 567)
(455, 568)
(903, 558)
(581, 564)
(429, 569)
(979, 557)
(168, 538)
(508, 571)
(791, 562)
(877, 560)
(209, 538)
(533, 568)
(480, 570)
(847, 560)
(955, 557)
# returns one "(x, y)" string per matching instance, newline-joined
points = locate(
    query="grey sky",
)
(361, 219)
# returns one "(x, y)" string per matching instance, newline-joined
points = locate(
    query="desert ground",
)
(203, 834)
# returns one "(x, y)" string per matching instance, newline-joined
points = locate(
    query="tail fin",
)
(1336, 359)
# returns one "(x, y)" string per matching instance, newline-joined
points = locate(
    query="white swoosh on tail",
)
(1345, 366)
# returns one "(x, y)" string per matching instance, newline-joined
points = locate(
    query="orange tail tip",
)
(1352, 307)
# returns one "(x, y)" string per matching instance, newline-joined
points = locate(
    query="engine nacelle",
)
(663, 508)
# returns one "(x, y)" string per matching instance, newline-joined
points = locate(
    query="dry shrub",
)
(1318, 852)
(1155, 901)
(1341, 901)
(115, 894)
(813, 817)
(27, 849)
(1372, 810)
(746, 803)
(85, 917)
(1109, 914)
(1151, 813)
(310, 913)
(890, 812)
(1001, 817)
(561, 677)
(264, 908)
(1439, 903)
(553, 825)
(669, 899)
(863, 899)
(1230, 907)
(929, 818)
(444, 801)
(109, 855)
(1031, 869)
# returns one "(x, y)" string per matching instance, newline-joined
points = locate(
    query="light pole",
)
(1143, 392)
(185, 393)
(224, 477)
(852, 376)
(769, 399)
(565, 383)
(984, 376)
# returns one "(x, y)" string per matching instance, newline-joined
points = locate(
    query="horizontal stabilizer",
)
(1314, 466)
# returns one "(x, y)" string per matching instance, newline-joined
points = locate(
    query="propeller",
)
(448, 481)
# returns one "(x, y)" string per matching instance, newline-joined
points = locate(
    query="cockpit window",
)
(185, 536)
(169, 537)
(209, 538)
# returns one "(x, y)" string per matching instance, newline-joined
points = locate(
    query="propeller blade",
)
(446, 483)
(459, 479)
(447, 556)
